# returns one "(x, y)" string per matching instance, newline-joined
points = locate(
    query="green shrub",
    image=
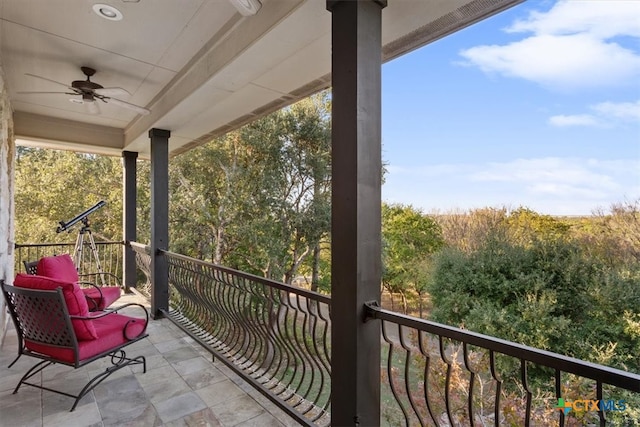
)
(548, 294)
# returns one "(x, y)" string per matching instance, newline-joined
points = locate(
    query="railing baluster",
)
(558, 387)
(525, 384)
(498, 380)
(472, 378)
(447, 383)
(392, 384)
(599, 397)
(425, 375)
(407, 375)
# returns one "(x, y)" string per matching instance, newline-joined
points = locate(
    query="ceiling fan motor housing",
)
(86, 85)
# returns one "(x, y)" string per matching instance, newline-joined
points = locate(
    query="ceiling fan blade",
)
(92, 107)
(136, 108)
(48, 80)
(112, 91)
(42, 93)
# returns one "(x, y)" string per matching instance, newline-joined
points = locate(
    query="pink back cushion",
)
(58, 267)
(73, 296)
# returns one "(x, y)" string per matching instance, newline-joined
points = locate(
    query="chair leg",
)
(119, 360)
(14, 361)
(31, 372)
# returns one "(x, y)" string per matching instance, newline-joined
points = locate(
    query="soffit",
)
(199, 66)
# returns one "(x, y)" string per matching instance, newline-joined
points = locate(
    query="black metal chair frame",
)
(58, 331)
(31, 267)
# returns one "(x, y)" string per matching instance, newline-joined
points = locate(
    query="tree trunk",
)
(404, 302)
(315, 268)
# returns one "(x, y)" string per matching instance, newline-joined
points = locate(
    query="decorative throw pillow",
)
(58, 267)
(73, 296)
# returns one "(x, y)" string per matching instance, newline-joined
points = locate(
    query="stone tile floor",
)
(182, 387)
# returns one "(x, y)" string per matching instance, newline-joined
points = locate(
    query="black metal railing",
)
(277, 337)
(434, 374)
(109, 255)
(143, 262)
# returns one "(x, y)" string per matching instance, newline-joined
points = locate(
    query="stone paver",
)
(182, 387)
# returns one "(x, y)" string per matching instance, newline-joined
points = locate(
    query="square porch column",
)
(355, 210)
(159, 220)
(129, 216)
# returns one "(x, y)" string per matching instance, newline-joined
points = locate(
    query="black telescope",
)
(66, 225)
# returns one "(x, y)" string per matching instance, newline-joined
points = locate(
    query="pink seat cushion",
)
(73, 296)
(111, 331)
(109, 295)
(58, 267)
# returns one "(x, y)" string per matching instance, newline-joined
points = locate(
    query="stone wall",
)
(7, 162)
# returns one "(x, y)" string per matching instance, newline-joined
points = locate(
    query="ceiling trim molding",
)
(52, 132)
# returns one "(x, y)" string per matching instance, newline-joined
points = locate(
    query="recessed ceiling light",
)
(107, 12)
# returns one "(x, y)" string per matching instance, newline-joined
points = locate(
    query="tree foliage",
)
(409, 237)
(258, 198)
(53, 186)
(532, 282)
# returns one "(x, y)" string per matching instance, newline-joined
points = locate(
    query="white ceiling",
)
(200, 66)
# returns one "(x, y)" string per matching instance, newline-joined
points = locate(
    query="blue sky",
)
(538, 106)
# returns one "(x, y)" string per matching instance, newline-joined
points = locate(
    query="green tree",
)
(53, 186)
(526, 226)
(258, 199)
(614, 236)
(409, 237)
(548, 294)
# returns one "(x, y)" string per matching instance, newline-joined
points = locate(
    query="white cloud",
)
(549, 185)
(570, 47)
(603, 19)
(561, 176)
(621, 110)
(605, 114)
(574, 120)
(430, 171)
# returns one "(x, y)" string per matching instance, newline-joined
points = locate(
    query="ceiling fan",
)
(91, 92)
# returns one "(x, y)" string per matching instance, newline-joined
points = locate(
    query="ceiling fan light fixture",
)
(247, 7)
(76, 100)
(107, 12)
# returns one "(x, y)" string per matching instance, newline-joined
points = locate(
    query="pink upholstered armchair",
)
(54, 324)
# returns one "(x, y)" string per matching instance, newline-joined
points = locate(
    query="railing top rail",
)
(139, 247)
(42, 245)
(272, 283)
(604, 374)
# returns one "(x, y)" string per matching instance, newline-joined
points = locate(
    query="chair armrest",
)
(115, 311)
(93, 302)
(110, 275)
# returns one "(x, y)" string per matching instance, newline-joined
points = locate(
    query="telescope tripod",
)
(77, 260)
